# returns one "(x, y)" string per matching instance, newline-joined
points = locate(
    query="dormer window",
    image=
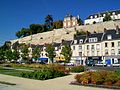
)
(113, 13)
(75, 41)
(92, 39)
(81, 41)
(109, 37)
(91, 17)
(104, 15)
(95, 16)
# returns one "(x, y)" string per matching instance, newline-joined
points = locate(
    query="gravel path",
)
(61, 83)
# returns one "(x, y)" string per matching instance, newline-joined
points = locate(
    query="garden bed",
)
(92, 85)
(102, 79)
(43, 73)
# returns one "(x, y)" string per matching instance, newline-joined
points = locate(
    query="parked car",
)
(115, 65)
(69, 64)
(101, 64)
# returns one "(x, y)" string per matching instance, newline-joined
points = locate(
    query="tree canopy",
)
(107, 17)
(66, 52)
(50, 52)
(40, 28)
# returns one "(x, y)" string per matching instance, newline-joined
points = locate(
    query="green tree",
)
(16, 55)
(50, 52)
(107, 17)
(49, 21)
(58, 24)
(2, 54)
(80, 33)
(66, 52)
(18, 34)
(8, 55)
(25, 32)
(25, 52)
(36, 28)
(36, 53)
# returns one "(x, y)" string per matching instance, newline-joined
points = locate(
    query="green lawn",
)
(10, 71)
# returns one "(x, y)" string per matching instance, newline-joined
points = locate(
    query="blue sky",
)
(15, 14)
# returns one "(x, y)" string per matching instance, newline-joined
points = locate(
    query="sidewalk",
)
(61, 83)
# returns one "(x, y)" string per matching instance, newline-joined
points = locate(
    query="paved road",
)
(61, 83)
(103, 68)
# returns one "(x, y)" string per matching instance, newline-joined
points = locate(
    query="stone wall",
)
(67, 34)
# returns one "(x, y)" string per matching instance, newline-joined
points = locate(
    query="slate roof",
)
(66, 42)
(83, 37)
(113, 34)
(95, 35)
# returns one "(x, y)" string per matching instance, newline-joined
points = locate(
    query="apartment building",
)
(97, 48)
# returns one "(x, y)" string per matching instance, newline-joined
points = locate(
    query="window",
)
(91, 17)
(97, 46)
(118, 51)
(75, 41)
(106, 51)
(87, 53)
(104, 15)
(109, 37)
(92, 39)
(93, 54)
(73, 47)
(80, 41)
(113, 13)
(119, 44)
(80, 54)
(68, 23)
(106, 45)
(92, 47)
(95, 16)
(41, 54)
(112, 44)
(112, 52)
(98, 53)
(80, 47)
(87, 47)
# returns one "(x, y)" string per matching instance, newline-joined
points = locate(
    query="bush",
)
(107, 78)
(46, 73)
(77, 69)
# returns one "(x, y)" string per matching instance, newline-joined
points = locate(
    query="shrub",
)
(107, 78)
(43, 74)
(77, 69)
(96, 78)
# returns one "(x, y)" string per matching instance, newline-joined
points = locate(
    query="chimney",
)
(117, 29)
(105, 30)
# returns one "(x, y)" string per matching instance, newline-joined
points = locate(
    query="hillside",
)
(67, 34)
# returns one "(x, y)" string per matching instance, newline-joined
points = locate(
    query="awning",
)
(43, 59)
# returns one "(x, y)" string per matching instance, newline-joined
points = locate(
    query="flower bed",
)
(99, 78)
(46, 73)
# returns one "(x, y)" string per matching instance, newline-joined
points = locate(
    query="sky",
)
(16, 14)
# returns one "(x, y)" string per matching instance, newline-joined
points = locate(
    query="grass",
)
(11, 72)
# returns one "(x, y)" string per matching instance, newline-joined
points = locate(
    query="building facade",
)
(98, 17)
(70, 21)
(97, 48)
